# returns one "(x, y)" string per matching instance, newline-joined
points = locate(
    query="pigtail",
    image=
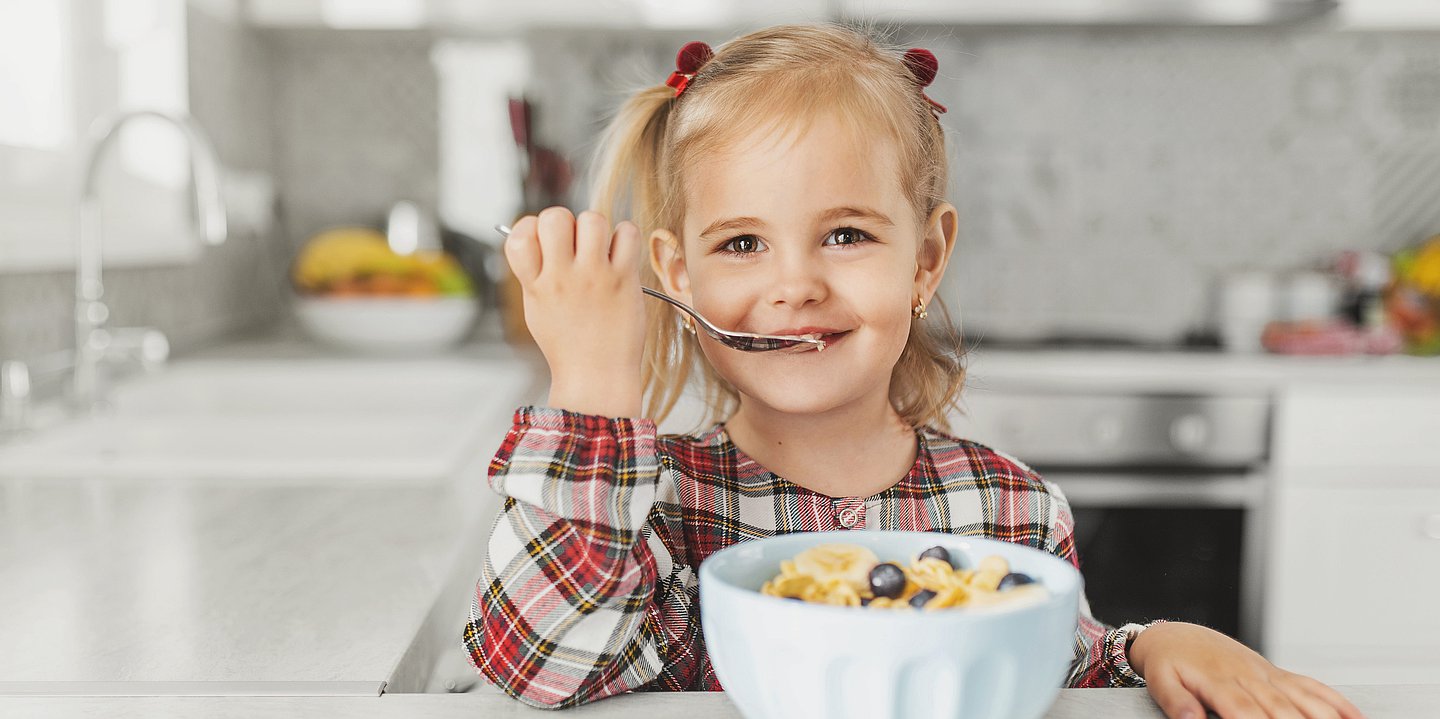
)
(628, 184)
(626, 180)
(925, 387)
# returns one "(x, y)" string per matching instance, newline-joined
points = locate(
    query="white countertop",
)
(1378, 702)
(1142, 370)
(280, 409)
(184, 587)
(1146, 371)
(250, 585)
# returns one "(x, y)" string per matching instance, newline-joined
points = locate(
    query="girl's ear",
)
(936, 246)
(668, 262)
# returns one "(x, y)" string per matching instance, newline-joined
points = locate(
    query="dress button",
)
(849, 518)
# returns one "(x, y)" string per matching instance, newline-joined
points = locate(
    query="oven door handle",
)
(1120, 489)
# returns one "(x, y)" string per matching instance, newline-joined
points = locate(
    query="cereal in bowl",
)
(852, 575)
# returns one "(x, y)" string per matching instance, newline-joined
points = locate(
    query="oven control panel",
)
(1104, 429)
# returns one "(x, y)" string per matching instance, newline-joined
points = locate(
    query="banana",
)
(1424, 268)
(848, 563)
(994, 564)
(342, 252)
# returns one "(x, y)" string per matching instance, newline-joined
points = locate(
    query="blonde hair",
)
(783, 76)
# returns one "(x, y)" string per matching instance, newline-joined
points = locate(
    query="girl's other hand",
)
(583, 305)
(1188, 668)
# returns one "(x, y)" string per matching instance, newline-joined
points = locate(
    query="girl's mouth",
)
(830, 339)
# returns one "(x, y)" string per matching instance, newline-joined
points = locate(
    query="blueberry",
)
(938, 552)
(1014, 579)
(887, 580)
(864, 601)
(918, 601)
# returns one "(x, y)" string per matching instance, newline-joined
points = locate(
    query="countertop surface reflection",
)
(261, 583)
(1378, 702)
(190, 587)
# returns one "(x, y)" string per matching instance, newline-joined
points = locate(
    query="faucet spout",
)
(91, 338)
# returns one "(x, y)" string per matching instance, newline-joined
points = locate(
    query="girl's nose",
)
(797, 281)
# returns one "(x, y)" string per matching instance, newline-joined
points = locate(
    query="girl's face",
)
(790, 236)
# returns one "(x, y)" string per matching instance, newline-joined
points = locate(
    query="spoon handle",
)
(677, 304)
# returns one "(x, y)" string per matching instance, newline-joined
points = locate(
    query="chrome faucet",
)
(92, 340)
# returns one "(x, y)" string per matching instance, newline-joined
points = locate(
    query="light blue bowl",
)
(784, 659)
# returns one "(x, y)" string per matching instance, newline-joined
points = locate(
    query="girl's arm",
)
(577, 580)
(1189, 667)
(1101, 657)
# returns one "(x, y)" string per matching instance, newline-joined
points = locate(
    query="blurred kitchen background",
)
(1109, 177)
(1166, 208)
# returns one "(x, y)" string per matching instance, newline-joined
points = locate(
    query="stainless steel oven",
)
(1168, 493)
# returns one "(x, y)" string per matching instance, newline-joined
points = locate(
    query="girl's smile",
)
(831, 338)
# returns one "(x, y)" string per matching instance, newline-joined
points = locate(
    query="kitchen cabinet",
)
(1087, 12)
(1354, 584)
(495, 17)
(1350, 512)
(1355, 535)
(1342, 15)
(1388, 15)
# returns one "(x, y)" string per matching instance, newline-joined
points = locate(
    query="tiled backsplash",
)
(1105, 177)
(231, 287)
(356, 128)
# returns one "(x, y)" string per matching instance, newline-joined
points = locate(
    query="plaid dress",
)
(590, 585)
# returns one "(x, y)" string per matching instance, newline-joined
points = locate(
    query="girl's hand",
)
(1185, 665)
(583, 305)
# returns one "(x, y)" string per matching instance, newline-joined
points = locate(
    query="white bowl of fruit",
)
(354, 293)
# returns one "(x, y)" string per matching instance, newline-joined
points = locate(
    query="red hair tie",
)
(922, 66)
(688, 62)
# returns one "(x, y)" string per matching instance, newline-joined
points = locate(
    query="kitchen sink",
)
(399, 421)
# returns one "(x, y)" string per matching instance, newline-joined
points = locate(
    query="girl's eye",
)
(742, 245)
(848, 236)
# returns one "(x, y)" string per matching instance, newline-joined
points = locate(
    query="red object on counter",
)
(1328, 338)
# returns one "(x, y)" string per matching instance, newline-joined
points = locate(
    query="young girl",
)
(791, 183)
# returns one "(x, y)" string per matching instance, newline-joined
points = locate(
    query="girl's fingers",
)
(1277, 704)
(1229, 700)
(1171, 695)
(557, 238)
(625, 247)
(592, 238)
(1334, 698)
(1311, 705)
(522, 250)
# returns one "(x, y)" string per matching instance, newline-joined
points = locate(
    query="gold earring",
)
(918, 311)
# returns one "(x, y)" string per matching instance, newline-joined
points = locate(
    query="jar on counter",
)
(1247, 302)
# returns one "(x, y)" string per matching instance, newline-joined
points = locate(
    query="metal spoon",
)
(744, 341)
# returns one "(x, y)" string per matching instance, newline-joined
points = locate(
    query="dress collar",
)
(748, 471)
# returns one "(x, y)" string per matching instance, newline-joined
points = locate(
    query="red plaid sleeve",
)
(1100, 656)
(564, 612)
